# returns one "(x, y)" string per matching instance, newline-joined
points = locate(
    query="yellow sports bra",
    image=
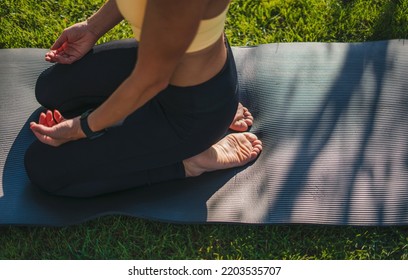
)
(209, 30)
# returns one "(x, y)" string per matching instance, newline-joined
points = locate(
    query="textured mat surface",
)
(333, 119)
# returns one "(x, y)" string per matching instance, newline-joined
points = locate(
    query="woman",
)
(127, 114)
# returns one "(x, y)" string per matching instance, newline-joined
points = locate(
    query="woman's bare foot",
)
(233, 150)
(243, 119)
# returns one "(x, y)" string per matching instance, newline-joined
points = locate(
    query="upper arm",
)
(169, 27)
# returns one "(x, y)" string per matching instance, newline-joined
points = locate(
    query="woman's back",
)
(206, 54)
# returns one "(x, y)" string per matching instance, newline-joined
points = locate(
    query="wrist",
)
(79, 133)
(93, 28)
(104, 19)
(86, 129)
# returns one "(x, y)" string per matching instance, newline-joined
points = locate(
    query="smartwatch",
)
(86, 129)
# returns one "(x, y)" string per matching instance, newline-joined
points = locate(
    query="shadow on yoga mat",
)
(333, 118)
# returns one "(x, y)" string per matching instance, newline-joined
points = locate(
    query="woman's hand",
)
(54, 130)
(73, 44)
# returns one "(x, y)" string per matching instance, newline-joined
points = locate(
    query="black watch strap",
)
(86, 129)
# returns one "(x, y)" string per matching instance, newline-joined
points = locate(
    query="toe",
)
(249, 122)
(256, 148)
(250, 136)
(247, 113)
(243, 124)
(239, 125)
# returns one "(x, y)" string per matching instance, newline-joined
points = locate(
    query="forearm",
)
(105, 18)
(159, 55)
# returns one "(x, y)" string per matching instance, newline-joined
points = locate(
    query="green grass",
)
(257, 22)
(36, 24)
(130, 238)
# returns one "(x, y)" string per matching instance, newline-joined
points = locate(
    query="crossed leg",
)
(243, 119)
(233, 150)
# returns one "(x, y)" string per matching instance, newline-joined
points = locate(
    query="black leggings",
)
(148, 146)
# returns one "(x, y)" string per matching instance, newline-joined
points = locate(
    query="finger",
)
(46, 139)
(42, 129)
(43, 138)
(42, 119)
(65, 58)
(58, 116)
(59, 42)
(37, 130)
(43, 134)
(50, 119)
(63, 54)
(49, 56)
(64, 47)
(51, 131)
(49, 59)
(56, 55)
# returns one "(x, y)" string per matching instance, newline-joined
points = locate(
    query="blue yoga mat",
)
(333, 118)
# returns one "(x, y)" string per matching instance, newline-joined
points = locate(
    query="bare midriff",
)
(206, 55)
(198, 67)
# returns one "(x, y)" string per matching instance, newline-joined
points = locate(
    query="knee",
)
(39, 176)
(47, 175)
(45, 87)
